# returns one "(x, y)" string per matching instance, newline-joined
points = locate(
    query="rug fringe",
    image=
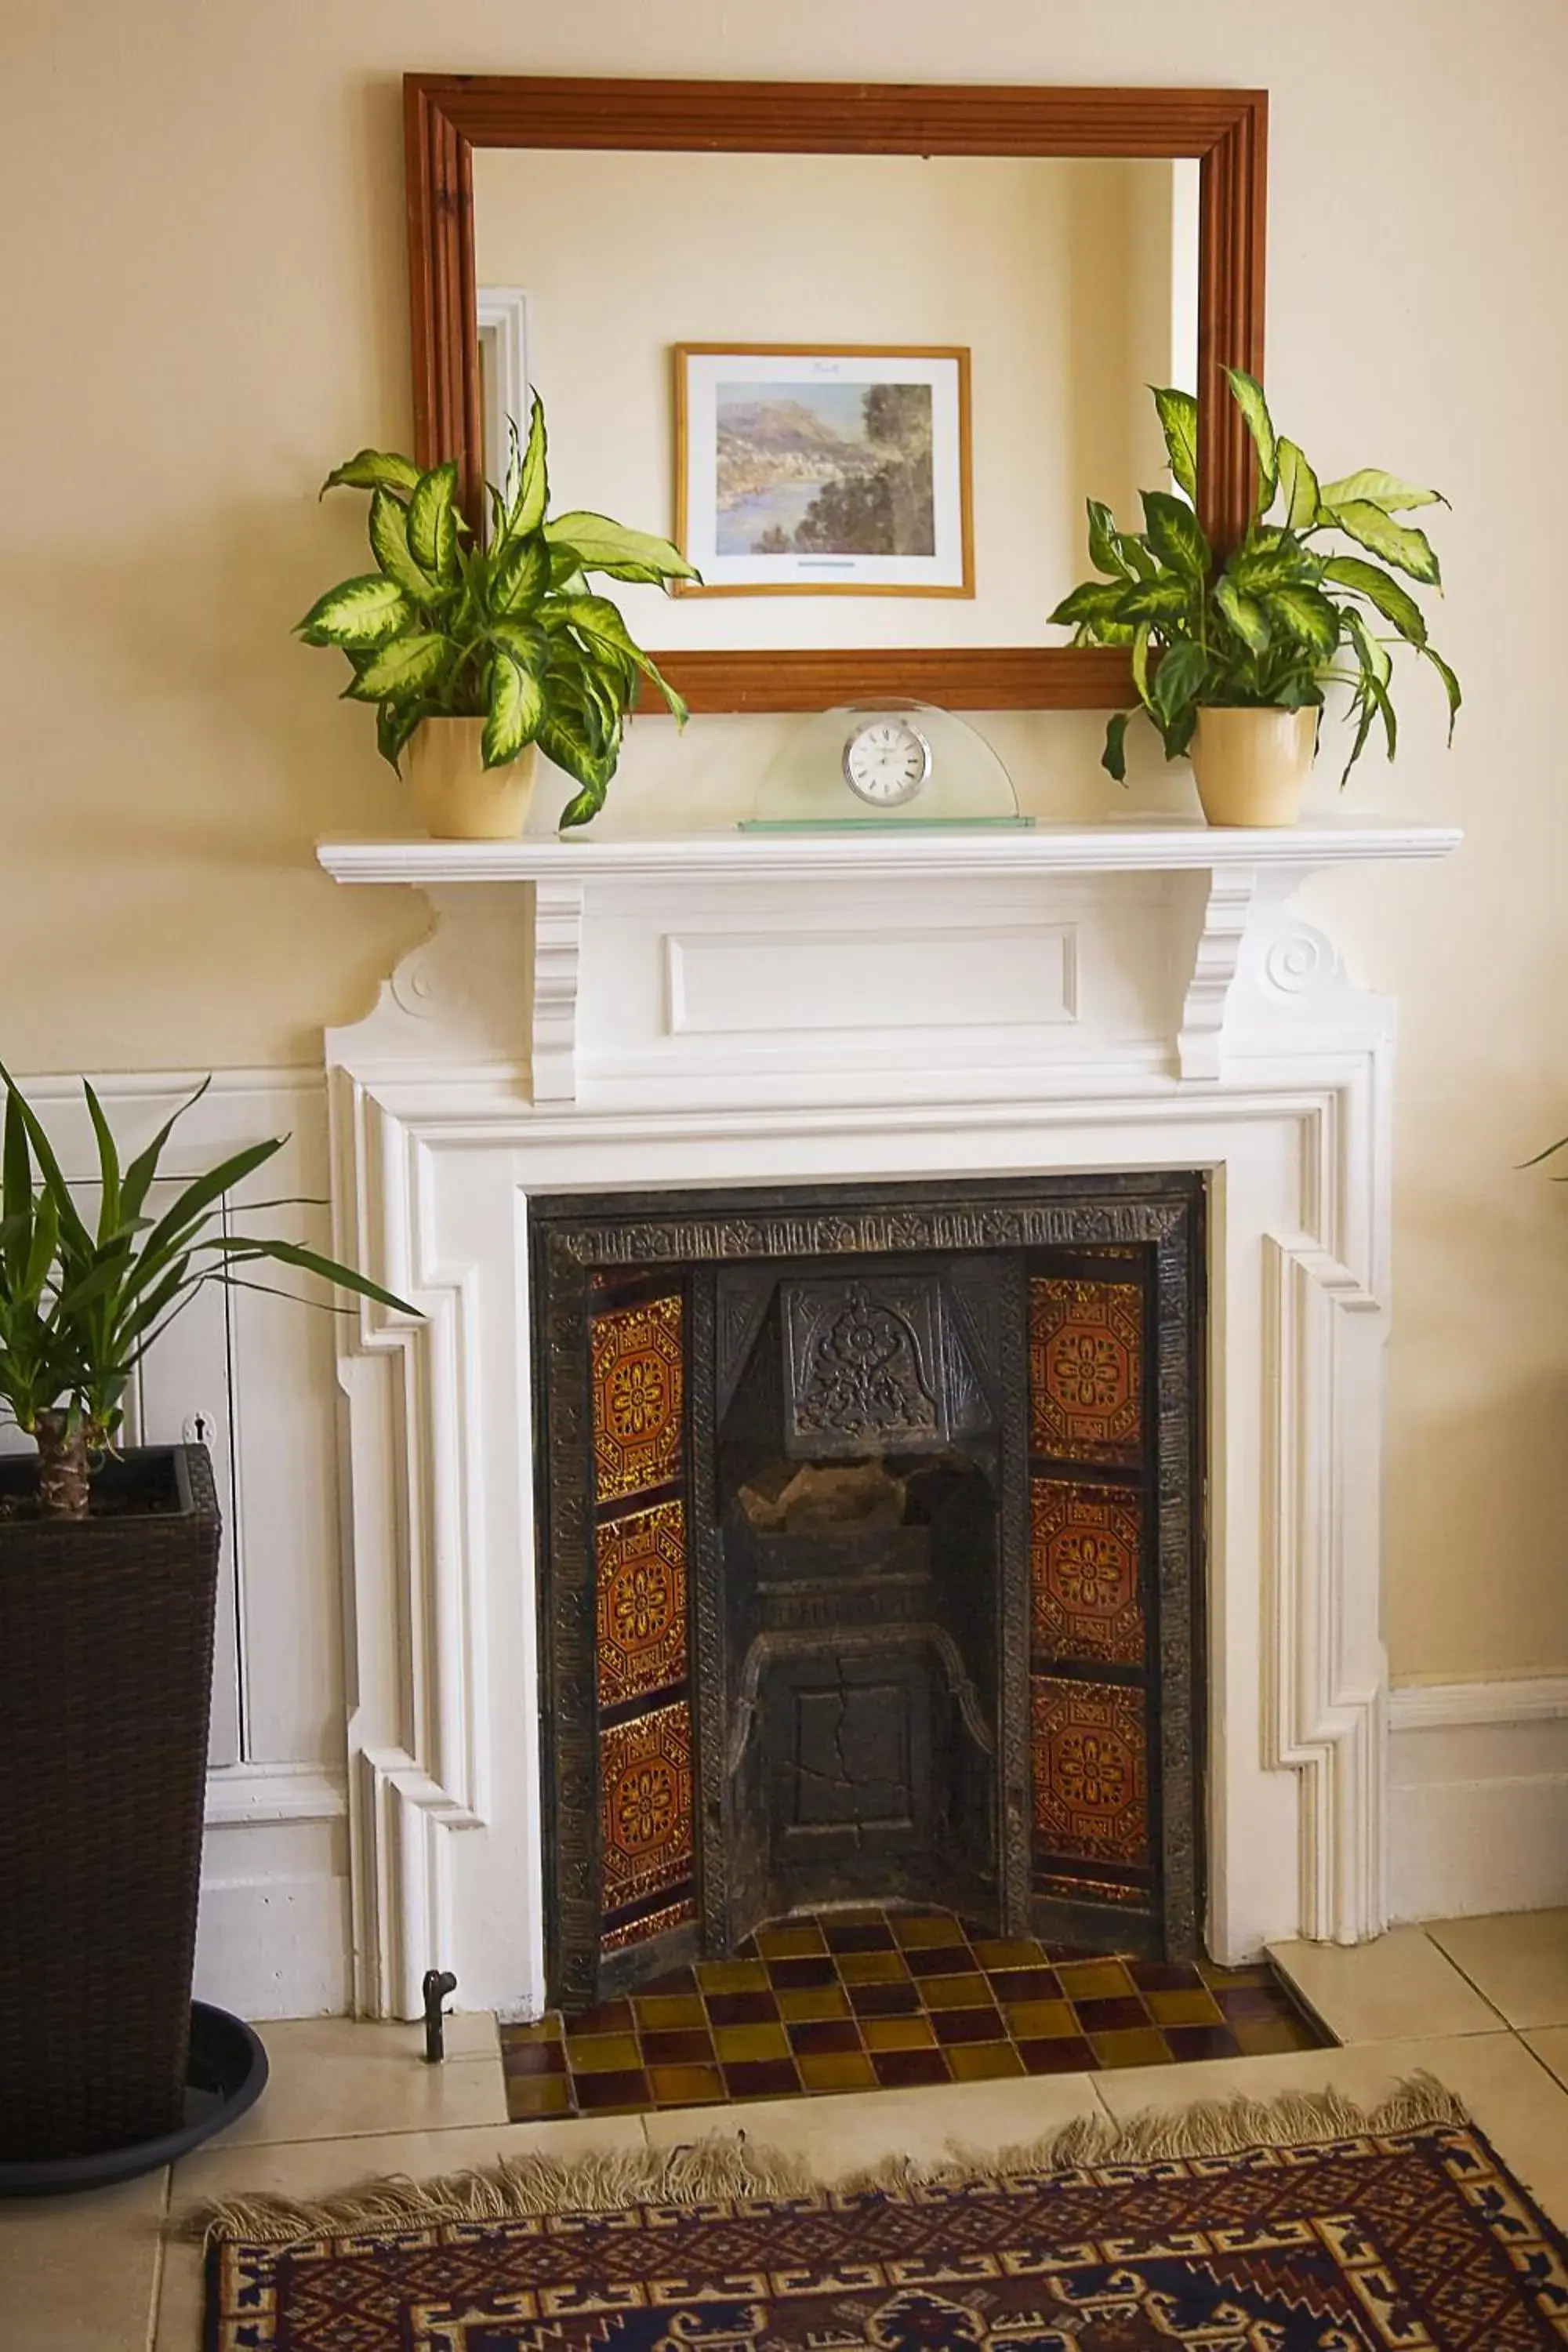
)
(709, 2170)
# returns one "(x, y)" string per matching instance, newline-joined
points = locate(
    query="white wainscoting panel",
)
(255, 1378)
(1479, 1797)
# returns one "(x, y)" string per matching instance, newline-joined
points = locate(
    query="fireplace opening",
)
(870, 1559)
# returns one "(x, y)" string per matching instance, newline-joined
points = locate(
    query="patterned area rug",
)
(1401, 2233)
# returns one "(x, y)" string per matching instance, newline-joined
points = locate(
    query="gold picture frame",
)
(808, 458)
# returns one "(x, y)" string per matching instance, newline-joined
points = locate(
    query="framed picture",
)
(822, 469)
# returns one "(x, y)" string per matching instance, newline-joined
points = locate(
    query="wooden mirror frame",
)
(446, 116)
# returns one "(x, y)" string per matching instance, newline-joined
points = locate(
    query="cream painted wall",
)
(202, 225)
(1050, 271)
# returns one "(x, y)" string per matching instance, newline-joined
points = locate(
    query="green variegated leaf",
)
(1398, 543)
(1178, 679)
(1178, 413)
(1113, 759)
(517, 709)
(567, 738)
(1306, 615)
(1166, 598)
(1105, 542)
(394, 724)
(1176, 534)
(601, 623)
(373, 469)
(389, 540)
(1371, 652)
(1380, 588)
(433, 522)
(1139, 557)
(527, 491)
(1248, 394)
(359, 613)
(1451, 686)
(1141, 638)
(601, 545)
(1244, 613)
(1379, 489)
(401, 669)
(521, 576)
(1270, 560)
(525, 640)
(1299, 487)
(1088, 605)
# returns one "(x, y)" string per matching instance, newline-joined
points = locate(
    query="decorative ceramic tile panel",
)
(1092, 1778)
(646, 1808)
(1086, 1370)
(641, 1604)
(639, 1393)
(648, 1832)
(1086, 1553)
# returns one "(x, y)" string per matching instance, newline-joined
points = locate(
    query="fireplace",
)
(870, 1552)
(870, 1026)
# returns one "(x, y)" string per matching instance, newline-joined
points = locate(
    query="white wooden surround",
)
(730, 1008)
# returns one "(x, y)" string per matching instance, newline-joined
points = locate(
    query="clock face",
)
(886, 761)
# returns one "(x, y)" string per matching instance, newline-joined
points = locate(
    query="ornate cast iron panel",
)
(1089, 1290)
(647, 1847)
(864, 1366)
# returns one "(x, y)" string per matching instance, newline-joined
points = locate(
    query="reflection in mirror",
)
(1070, 283)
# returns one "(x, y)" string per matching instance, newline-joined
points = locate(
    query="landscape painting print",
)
(815, 469)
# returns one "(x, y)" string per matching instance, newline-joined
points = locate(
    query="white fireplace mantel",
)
(728, 1009)
(592, 902)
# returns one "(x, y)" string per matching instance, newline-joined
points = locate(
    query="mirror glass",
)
(869, 394)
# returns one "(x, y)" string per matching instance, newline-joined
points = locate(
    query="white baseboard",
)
(1478, 1797)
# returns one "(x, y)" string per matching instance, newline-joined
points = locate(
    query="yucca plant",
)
(1283, 616)
(80, 1305)
(510, 632)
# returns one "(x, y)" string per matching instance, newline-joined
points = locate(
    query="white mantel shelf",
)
(713, 960)
(1125, 847)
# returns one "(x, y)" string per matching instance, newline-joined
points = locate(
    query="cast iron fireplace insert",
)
(870, 1554)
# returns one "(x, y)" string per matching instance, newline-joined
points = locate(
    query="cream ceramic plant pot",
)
(458, 797)
(1252, 766)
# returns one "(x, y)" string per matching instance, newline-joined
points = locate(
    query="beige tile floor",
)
(1480, 2004)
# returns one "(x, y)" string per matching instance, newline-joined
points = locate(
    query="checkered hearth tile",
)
(870, 1999)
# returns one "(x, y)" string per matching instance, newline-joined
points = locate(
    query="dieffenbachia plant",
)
(1283, 616)
(510, 632)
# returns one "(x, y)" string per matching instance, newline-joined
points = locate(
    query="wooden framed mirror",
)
(738, 137)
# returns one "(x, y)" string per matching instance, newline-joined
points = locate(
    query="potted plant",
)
(107, 1585)
(1231, 659)
(476, 655)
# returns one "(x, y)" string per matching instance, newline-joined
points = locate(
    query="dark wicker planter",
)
(106, 1656)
